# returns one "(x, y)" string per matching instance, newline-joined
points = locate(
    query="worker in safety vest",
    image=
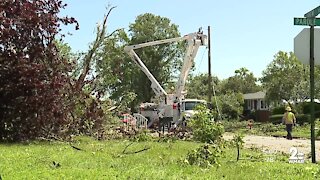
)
(289, 120)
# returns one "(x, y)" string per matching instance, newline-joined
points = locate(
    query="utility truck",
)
(170, 107)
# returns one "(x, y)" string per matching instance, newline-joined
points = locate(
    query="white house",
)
(255, 101)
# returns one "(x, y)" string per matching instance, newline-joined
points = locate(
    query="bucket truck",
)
(171, 107)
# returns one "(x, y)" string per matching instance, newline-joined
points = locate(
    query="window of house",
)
(263, 104)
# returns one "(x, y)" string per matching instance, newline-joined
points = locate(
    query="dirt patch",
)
(278, 144)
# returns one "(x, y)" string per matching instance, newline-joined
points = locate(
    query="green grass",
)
(297, 131)
(268, 129)
(106, 160)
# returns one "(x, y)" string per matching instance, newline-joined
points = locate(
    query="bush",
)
(142, 136)
(205, 156)
(232, 126)
(204, 128)
(276, 118)
(269, 128)
(278, 110)
(249, 115)
(301, 118)
(230, 105)
(306, 108)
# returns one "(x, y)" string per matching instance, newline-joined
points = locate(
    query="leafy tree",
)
(161, 60)
(118, 73)
(197, 86)
(285, 78)
(34, 78)
(229, 105)
(66, 52)
(301, 90)
(114, 68)
(243, 82)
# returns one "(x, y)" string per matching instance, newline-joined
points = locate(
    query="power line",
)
(201, 60)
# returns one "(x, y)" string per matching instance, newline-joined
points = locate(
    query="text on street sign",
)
(307, 21)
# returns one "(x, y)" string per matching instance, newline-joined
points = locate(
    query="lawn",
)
(122, 159)
(269, 129)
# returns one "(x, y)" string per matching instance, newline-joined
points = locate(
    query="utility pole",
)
(313, 153)
(209, 71)
(311, 20)
(311, 15)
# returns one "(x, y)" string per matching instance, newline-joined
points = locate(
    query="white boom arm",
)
(156, 87)
(194, 41)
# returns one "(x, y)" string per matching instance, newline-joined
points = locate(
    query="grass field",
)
(117, 160)
(269, 129)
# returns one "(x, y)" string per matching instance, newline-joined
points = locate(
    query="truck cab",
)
(187, 107)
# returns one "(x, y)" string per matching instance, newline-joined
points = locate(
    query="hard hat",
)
(288, 108)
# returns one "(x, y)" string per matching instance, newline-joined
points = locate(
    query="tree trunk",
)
(238, 153)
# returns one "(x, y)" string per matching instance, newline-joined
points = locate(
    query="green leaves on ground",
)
(205, 156)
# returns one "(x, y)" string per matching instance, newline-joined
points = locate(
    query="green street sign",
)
(313, 13)
(306, 21)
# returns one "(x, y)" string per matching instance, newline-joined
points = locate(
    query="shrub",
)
(232, 126)
(205, 156)
(230, 105)
(299, 108)
(306, 106)
(238, 142)
(248, 114)
(300, 118)
(204, 128)
(268, 128)
(141, 136)
(278, 110)
(303, 118)
(276, 118)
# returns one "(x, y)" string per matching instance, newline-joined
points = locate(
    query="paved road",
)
(278, 144)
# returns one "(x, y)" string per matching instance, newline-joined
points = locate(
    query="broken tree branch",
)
(134, 152)
(89, 56)
(126, 148)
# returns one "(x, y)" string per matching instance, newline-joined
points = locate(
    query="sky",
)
(246, 33)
